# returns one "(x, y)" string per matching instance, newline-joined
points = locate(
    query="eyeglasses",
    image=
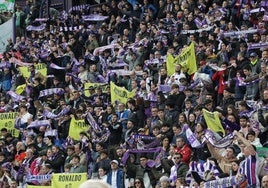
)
(137, 182)
(176, 158)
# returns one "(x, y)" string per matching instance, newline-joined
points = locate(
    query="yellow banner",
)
(76, 127)
(95, 85)
(68, 180)
(120, 93)
(213, 121)
(20, 89)
(40, 67)
(186, 59)
(7, 121)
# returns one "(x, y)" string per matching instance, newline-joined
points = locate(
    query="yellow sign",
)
(94, 85)
(20, 89)
(68, 180)
(120, 94)
(40, 67)
(213, 121)
(76, 127)
(186, 59)
(7, 121)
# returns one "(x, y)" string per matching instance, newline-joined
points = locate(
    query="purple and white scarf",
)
(219, 142)
(224, 182)
(38, 123)
(36, 28)
(257, 45)
(50, 115)
(94, 17)
(19, 62)
(15, 97)
(51, 91)
(194, 142)
(54, 66)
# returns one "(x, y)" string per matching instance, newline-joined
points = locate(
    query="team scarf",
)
(184, 32)
(140, 139)
(94, 17)
(102, 48)
(103, 137)
(36, 28)
(95, 126)
(37, 178)
(46, 113)
(54, 66)
(237, 33)
(255, 10)
(38, 123)
(75, 78)
(154, 61)
(217, 141)
(242, 83)
(257, 45)
(224, 182)
(41, 19)
(136, 151)
(73, 28)
(194, 142)
(19, 62)
(15, 97)
(200, 23)
(5, 64)
(52, 132)
(51, 91)
(117, 64)
(80, 7)
(201, 169)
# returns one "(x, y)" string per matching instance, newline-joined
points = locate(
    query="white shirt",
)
(114, 177)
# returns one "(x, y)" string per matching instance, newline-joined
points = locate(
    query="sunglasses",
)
(137, 182)
(176, 158)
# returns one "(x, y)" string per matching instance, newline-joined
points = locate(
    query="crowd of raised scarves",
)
(166, 29)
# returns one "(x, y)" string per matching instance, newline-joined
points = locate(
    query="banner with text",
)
(40, 67)
(213, 121)
(120, 94)
(7, 121)
(68, 180)
(76, 127)
(186, 59)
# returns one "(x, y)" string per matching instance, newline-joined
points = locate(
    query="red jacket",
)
(186, 153)
(219, 76)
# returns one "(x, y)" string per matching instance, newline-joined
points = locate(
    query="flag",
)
(40, 67)
(186, 59)
(213, 121)
(72, 180)
(120, 94)
(7, 120)
(76, 127)
(20, 89)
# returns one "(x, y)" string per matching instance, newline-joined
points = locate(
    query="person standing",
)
(116, 175)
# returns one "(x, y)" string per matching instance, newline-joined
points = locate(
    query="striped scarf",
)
(52, 91)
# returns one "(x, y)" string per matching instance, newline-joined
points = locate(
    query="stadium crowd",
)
(160, 137)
